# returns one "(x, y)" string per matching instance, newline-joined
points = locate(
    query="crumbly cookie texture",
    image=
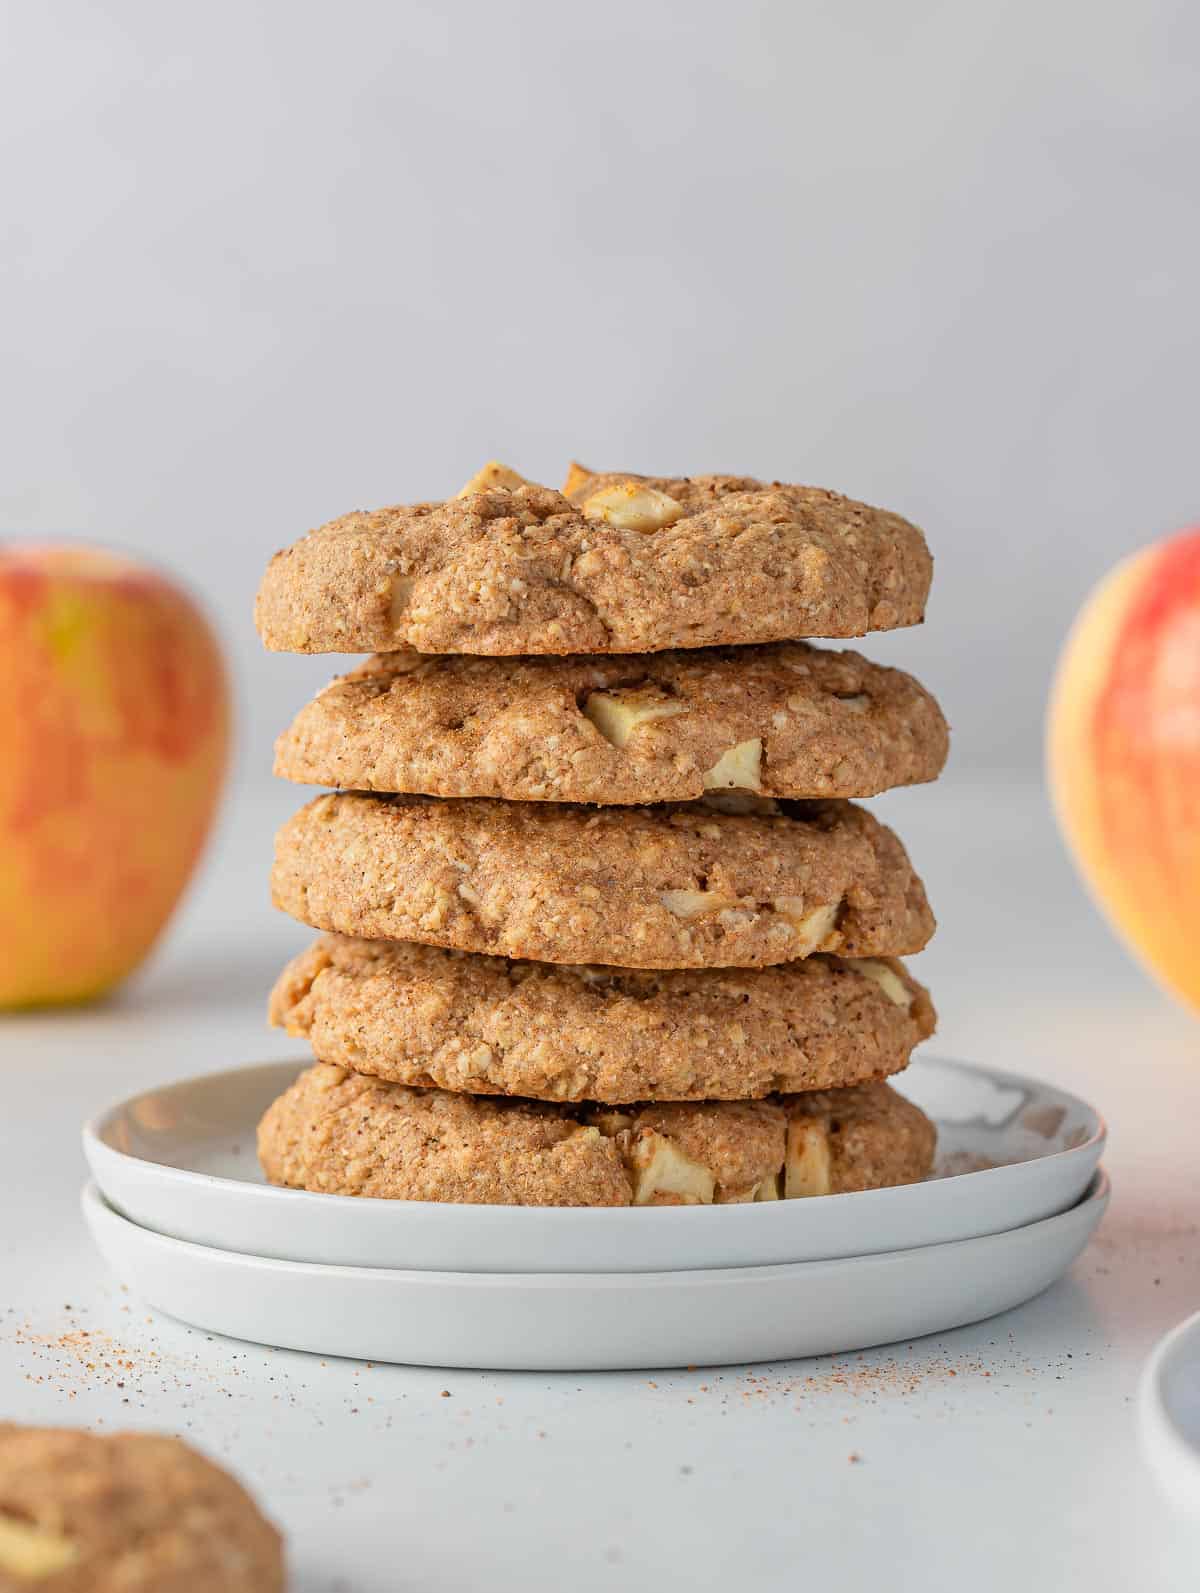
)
(633, 565)
(486, 1025)
(785, 720)
(338, 1132)
(682, 886)
(126, 1513)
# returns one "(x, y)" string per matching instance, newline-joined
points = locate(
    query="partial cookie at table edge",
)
(127, 1511)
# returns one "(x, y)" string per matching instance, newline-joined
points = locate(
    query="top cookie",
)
(126, 1513)
(625, 564)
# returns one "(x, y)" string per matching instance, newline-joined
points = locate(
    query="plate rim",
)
(1095, 1198)
(94, 1144)
(1161, 1433)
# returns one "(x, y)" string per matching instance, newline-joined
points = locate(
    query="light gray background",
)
(263, 263)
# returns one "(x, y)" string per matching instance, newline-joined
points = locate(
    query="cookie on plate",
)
(685, 886)
(126, 1513)
(784, 720)
(635, 565)
(337, 1132)
(490, 1026)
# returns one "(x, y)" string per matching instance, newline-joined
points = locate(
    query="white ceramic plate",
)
(593, 1321)
(181, 1160)
(1170, 1413)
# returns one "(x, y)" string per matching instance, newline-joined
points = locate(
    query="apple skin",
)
(114, 737)
(1123, 739)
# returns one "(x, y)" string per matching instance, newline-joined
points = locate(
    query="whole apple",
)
(1124, 753)
(114, 734)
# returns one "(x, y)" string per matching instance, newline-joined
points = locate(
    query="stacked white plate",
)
(1170, 1414)
(181, 1213)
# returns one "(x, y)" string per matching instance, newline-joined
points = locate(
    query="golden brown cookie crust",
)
(127, 1513)
(527, 571)
(337, 1132)
(486, 1025)
(662, 887)
(787, 720)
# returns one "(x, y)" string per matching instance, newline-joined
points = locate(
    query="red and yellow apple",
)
(1124, 754)
(114, 730)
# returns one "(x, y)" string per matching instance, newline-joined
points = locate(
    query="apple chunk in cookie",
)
(633, 506)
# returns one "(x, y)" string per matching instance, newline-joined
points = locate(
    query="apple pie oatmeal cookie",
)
(625, 564)
(337, 1132)
(784, 720)
(492, 1026)
(685, 886)
(126, 1513)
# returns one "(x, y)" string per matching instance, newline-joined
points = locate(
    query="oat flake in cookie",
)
(487, 1025)
(683, 886)
(624, 564)
(126, 1513)
(782, 720)
(337, 1132)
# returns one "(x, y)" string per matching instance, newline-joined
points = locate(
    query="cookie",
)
(786, 720)
(637, 565)
(338, 1132)
(486, 1025)
(683, 886)
(126, 1513)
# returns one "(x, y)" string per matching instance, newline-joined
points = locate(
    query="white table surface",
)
(996, 1457)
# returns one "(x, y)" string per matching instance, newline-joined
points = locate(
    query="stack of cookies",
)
(602, 924)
